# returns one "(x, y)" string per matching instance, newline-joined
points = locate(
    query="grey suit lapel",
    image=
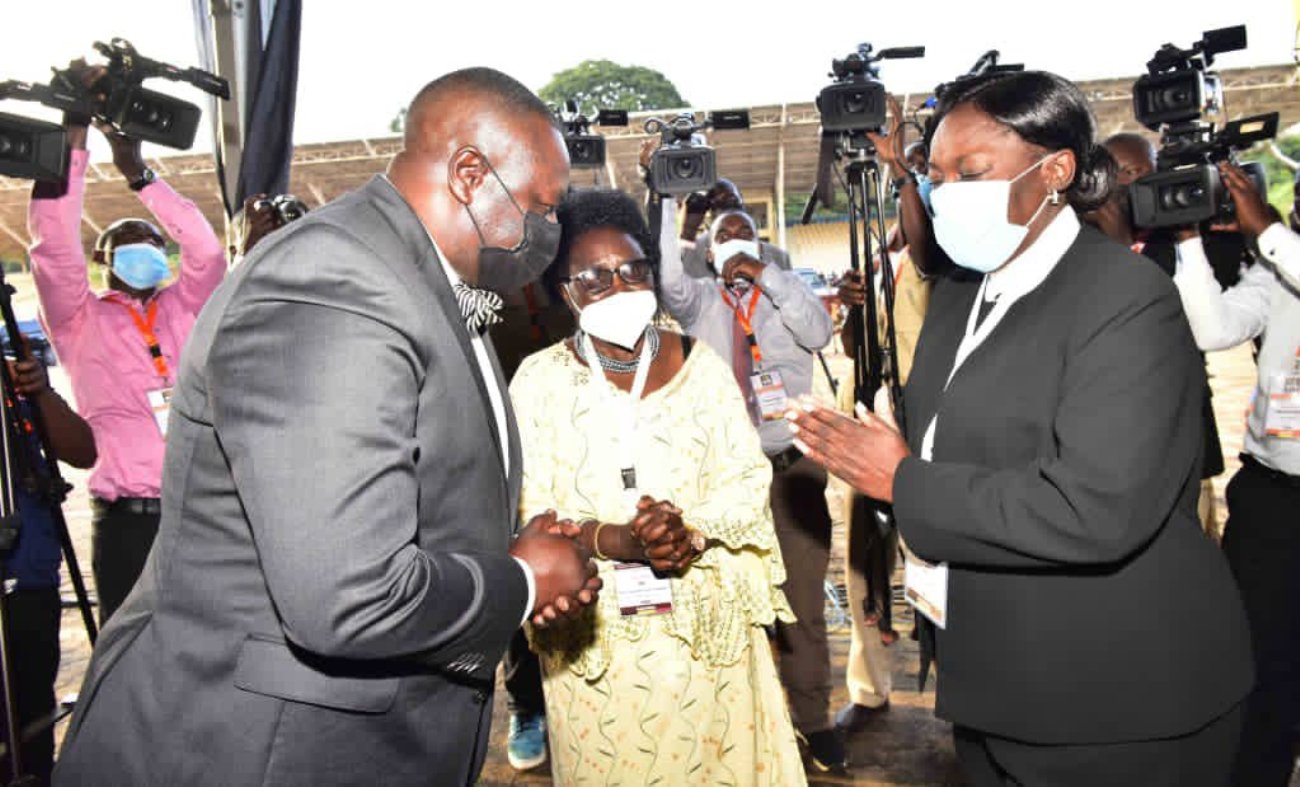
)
(413, 234)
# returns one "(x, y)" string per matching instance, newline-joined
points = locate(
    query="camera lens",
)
(685, 167)
(855, 103)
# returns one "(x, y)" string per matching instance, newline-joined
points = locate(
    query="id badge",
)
(926, 588)
(769, 392)
(1282, 408)
(640, 592)
(160, 401)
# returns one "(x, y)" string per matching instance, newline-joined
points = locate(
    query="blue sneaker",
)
(527, 744)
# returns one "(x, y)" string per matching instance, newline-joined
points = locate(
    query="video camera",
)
(1171, 98)
(587, 150)
(37, 150)
(286, 208)
(856, 101)
(684, 162)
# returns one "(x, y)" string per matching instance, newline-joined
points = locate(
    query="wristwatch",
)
(146, 177)
(902, 180)
(698, 542)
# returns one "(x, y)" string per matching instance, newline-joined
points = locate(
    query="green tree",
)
(602, 84)
(1280, 176)
(398, 124)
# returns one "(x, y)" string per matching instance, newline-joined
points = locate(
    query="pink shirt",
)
(97, 339)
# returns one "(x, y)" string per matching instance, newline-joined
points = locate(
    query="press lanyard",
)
(746, 323)
(627, 440)
(145, 325)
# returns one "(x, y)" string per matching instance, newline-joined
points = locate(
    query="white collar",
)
(1027, 271)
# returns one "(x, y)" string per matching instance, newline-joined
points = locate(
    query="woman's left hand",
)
(865, 452)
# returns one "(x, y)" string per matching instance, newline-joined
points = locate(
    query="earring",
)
(1054, 197)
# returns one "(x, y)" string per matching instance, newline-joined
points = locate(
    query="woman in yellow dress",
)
(669, 678)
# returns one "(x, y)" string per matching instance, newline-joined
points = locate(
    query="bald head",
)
(1134, 154)
(481, 151)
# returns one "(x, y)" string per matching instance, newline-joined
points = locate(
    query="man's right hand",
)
(565, 576)
(853, 292)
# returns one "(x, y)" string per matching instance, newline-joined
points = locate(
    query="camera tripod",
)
(38, 471)
(875, 358)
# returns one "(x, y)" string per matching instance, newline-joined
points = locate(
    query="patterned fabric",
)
(480, 308)
(722, 712)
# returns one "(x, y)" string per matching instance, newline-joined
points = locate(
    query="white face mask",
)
(621, 318)
(971, 225)
(725, 251)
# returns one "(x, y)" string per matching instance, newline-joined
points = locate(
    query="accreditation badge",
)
(160, 401)
(1282, 406)
(769, 393)
(925, 586)
(641, 591)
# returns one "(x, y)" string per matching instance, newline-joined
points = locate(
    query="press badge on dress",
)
(1282, 406)
(160, 401)
(640, 592)
(926, 588)
(769, 392)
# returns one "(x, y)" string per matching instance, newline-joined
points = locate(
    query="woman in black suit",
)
(1090, 633)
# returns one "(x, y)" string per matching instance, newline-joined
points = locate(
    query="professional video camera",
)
(37, 150)
(286, 207)
(1171, 98)
(684, 163)
(856, 101)
(587, 150)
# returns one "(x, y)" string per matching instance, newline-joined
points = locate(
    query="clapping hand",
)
(864, 452)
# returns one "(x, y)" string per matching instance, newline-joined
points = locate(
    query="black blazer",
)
(1085, 605)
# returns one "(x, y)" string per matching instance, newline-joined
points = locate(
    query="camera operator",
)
(1135, 158)
(1261, 539)
(868, 669)
(122, 347)
(259, 217)
(31, 597)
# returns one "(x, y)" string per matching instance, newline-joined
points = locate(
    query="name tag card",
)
(1282, 410)
(640, 592)
(926, 588)
(769, 392)
(160, 401)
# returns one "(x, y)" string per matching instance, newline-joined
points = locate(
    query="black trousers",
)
(1262, 542)
(803, 528)
(120, 543)
(523, 677)
(1200, 759)
(33, 619)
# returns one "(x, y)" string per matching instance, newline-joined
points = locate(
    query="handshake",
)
(559, 552)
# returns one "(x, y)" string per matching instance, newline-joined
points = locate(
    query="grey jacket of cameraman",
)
(330, 589)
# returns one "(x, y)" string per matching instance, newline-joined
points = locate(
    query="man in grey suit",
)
(334, 578)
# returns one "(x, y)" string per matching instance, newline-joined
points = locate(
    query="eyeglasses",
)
(597, 279)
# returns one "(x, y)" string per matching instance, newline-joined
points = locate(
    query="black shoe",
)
(825, 750)
(853, 717)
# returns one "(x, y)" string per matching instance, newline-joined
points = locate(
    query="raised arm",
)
(682, 295)
(801, 310)
(58, 259)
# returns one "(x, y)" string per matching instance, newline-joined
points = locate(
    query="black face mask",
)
(506, 271)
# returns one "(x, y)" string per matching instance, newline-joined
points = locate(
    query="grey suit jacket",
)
(330, 589)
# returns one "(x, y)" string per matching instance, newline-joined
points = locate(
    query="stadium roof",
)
(775, 157)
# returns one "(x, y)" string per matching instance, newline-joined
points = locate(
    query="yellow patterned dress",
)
(690, 696)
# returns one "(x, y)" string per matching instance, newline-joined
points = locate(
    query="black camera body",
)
(287, 208)
(1172, 97)
(856, 102)
(587, 150)
(32, 149)
(683, 163)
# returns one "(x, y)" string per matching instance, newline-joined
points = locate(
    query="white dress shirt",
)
(497, 398)
(1266, 302)
(1005, 286)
